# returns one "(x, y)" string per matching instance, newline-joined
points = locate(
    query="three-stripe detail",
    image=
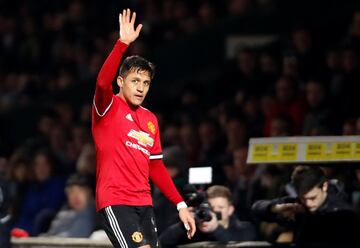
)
(115, 227)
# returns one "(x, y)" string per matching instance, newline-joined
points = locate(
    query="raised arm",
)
(127, 33)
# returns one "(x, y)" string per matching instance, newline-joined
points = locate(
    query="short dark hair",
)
(136, 63)
(219, 191)
(78, 180)
(305, 178)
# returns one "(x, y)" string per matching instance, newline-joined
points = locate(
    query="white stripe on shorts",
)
(115, 227)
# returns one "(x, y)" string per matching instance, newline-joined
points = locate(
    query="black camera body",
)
(198, 200)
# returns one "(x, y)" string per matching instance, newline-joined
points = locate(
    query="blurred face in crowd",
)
(171, 135)
(78, 196)
(290, 66)
(188, 135)
(236, 133)
(356, 23)
(301, 40)
(284, 90)
(134, 86)
(239, 157)
(45, 125)
(279, 128)
(267, 63)
(348, 128)
(247, 62)
(42, 167)
(315, 94)
(314, 198)
(332, 59)
(223, 206)
(20, 172)
(349, 60)
(208, 134)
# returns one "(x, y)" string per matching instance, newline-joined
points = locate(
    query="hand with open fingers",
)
(128, 33)
(188, 220)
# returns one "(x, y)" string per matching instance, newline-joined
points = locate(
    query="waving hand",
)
(128, 33)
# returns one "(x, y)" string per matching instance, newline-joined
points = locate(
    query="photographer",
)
(215, 221)
(319, 214)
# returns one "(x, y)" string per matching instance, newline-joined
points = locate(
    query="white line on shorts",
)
(114, 225)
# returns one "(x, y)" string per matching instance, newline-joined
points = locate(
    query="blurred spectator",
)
(236, 133)
(43, 197)
(320, 119)
(306, 55)
(354, 34)
(281, 126)
(349, 127)
(18, 178)
(190, 142)
(77, 219)
(287, 102)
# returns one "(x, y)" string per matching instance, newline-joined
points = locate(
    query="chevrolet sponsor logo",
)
(142, 137)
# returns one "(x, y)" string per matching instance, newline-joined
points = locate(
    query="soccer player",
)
(128, 148)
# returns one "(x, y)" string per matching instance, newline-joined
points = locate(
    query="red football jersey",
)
(125, 141)
(128, 149)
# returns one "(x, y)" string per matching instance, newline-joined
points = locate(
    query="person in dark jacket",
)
(319, 214)
(223, 226)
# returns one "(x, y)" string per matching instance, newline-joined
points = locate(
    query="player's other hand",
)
(188, 220)
(128, 33)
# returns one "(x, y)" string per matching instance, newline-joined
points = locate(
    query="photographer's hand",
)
(287, 210)
(188, 220)
(209, 226)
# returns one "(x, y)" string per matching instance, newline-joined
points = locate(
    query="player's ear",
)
(120, 81)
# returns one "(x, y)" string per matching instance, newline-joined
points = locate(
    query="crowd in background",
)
(47, 48)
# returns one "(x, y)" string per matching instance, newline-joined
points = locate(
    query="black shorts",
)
(130, 226)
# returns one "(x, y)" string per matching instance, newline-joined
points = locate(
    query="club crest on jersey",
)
(142, 137)
(137, 237)
(151, 127)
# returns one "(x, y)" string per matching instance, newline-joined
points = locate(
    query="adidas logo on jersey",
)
(129, 117)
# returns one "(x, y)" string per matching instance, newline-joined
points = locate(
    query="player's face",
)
(134, 87)
(313, 199)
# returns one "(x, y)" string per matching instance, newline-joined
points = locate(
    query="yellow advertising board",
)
(304, 149)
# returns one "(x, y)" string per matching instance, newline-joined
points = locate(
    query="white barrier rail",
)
(46, 242)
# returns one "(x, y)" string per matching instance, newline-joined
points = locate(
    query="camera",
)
(198, 200)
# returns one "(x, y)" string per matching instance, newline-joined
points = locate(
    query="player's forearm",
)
(104, 92)
(161, 178)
